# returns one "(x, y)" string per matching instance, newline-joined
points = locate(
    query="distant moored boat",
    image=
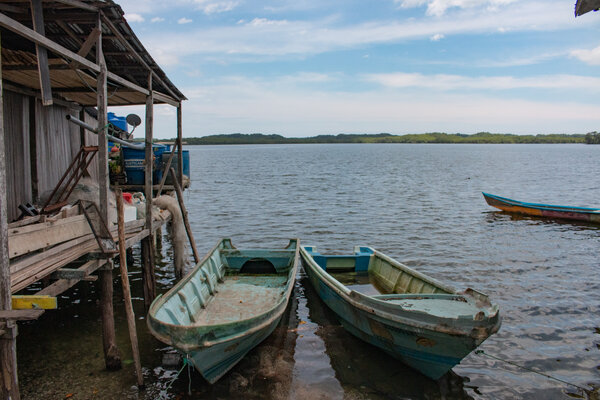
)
(543, 210)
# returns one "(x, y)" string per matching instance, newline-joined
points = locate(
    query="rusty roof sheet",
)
(69, 23)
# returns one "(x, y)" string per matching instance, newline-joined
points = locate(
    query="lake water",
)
(420, 204)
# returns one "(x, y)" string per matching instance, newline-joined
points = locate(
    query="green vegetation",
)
(435, 137)
(592, 138)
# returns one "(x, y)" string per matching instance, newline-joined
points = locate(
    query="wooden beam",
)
(67, 273)
(13, 9)
(35, 37)
(77, 4)
(62, 285)
(165, 99)
(19, 315)
(180, 144)
(37, 13)
(134, 52)
(89, 42)
(148, 276)
(112, 357)
(184, 214)
(69, 32)
(127, 290)
(9, 386)
(34, 302)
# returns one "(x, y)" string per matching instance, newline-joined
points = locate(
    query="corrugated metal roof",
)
(68, 23)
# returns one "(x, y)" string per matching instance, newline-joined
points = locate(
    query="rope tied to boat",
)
(481, 352)
(187, 363)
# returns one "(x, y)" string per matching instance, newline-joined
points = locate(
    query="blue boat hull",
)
(433, 352)
(214, 362)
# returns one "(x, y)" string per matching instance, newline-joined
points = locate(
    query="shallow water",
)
(420, 204)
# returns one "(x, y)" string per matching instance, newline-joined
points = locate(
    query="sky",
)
(309, 67)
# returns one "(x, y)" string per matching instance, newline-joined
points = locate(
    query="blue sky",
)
(309, 67)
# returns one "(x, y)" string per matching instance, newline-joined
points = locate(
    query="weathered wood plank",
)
(179, 144)
(9, 387)
(42, 54)
(127, 290)
(20, 315)
(51, 234)
(26, 221)
(57, 250)
(68, 273)
(62, 285)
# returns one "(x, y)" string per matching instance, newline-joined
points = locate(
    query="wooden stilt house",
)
(58, 57)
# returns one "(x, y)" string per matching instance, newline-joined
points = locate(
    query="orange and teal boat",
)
(543, 210)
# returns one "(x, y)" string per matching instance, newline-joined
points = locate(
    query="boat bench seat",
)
(356, 262)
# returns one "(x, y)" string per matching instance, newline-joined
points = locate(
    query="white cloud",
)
(217, 7)
(157, 19)
(134, 18)
(436, 37)
(262, 37)
(591, 57)
(184, 20)
(153, 6)
(446, 82)
(267, 22)
(439, 7)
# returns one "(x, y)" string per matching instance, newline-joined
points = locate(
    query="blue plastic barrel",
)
(134, 164)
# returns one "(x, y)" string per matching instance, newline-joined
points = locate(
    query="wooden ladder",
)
(70, 178)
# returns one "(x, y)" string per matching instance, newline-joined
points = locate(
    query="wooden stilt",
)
(179, 144)
(9, 384)
(148, 243)
(112, 358)
(127, 291)
(184, 214)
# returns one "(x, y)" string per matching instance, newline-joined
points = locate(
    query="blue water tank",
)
(119, 122)
(134, 164)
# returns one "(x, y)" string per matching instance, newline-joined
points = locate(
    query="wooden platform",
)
(52, 254)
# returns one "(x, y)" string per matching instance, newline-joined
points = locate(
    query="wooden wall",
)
(37, 158)
(16, 141)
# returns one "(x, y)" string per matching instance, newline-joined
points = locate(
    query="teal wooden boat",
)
(228, 304)
(426, 324)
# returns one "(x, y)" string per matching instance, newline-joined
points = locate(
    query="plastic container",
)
(134, 163)
(119, 122)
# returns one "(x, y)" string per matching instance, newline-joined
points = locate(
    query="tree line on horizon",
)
(434, 137)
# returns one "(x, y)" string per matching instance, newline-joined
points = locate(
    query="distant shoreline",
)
(436, 137)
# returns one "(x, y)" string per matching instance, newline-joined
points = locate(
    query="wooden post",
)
(148, 242)
(42, 53)
(112, 357)
(166, 172)
(184, 214)
(9, 384)
(127, 291)
(179, 145)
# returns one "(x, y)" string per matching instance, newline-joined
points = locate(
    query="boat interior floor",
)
(439, 305)
(240, 297)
